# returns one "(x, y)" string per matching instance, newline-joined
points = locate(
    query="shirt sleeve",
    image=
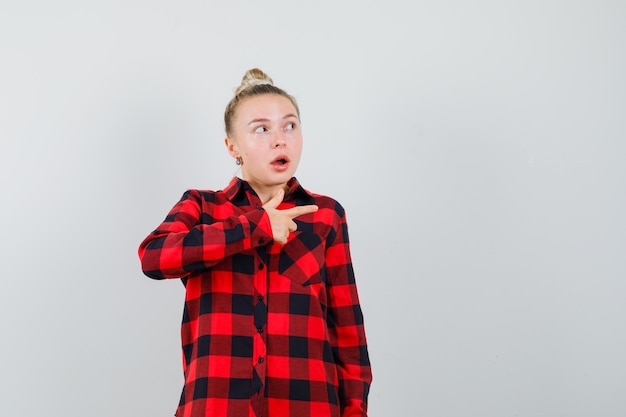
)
(345, 323)
(184, 243)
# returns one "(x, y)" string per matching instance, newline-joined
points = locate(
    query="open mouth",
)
(282, 160)
(280, 163)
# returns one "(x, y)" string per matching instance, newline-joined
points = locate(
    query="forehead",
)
(265, 106)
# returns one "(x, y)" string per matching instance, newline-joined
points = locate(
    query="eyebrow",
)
(287, 116)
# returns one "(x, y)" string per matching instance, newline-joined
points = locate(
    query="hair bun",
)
(255, 82)
(253, 77)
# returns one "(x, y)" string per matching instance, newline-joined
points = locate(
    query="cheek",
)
(251, 149)
(298, 148)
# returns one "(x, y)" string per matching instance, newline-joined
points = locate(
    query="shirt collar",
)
(295, 191)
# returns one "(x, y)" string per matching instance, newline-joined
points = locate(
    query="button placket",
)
(260, 313)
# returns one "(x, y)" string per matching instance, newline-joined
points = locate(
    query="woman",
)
(272, 324)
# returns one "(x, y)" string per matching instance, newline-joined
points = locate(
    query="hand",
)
(282, 220)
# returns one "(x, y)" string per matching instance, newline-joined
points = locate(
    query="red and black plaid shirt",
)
(268, 329)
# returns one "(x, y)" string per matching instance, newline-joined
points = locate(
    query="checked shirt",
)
(268, 330)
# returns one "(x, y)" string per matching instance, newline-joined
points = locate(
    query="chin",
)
(281, 178)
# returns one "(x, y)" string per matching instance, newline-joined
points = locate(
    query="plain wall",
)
(478, 148)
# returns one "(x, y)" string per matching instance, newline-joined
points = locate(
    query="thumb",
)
(275, 200)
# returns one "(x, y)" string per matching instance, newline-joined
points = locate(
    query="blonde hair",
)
(254, 82)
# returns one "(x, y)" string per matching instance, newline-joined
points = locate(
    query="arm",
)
(345, 323)
(181, 245)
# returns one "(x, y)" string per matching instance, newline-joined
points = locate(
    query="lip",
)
(280, 163)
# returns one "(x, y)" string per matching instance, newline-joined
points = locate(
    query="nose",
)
(279, 139)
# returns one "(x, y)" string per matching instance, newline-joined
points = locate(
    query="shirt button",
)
(261, 266)
(260, 329)
(260, 298)
(261, 241)
(260, 360)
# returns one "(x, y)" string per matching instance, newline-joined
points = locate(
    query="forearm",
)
(175, 250)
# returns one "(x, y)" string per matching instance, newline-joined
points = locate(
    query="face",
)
(266, 136)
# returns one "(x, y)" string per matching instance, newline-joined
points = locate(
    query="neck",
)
(266, 192)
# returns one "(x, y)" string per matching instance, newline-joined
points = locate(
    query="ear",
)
(232, 148)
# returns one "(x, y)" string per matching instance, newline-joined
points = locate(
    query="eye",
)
(290, 126)
(261, 129)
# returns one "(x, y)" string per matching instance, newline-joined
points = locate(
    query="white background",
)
(478, 148)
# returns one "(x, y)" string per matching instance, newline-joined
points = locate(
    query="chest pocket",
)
(302, 259)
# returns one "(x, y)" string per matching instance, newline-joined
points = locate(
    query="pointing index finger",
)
(300, 210)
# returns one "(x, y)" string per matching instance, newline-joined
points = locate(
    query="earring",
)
(239, 161)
